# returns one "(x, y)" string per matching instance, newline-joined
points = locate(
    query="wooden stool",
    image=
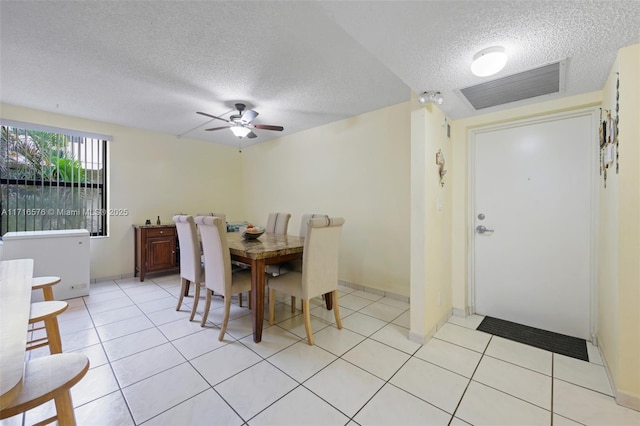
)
(45, 284)
(46, 378)
(48, 312)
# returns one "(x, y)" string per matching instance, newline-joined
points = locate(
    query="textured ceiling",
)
(152, 65)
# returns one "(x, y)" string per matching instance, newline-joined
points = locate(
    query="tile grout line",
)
(453, 415)
(154, 325)
(553, 363)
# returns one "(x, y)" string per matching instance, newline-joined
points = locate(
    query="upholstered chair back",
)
(190, 262)
(278, 223)
(320, 256)
(305, 221)
(222, 216)
(217, 259)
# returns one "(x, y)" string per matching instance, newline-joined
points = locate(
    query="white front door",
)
(533, 189)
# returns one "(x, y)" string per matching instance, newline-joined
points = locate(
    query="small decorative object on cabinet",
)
(156, 249)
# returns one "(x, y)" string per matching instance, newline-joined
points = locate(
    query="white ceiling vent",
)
(544, 80)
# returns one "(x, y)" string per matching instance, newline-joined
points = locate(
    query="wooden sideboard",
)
(156, 249)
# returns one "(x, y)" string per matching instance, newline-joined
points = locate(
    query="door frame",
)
(594, 203)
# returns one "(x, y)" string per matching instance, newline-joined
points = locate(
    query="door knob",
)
(481, 229)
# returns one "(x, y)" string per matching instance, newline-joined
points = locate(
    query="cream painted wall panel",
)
(430, 223)
(357, 169)
(628, 380)
(438, 221)
(608, 294)
(151, 174)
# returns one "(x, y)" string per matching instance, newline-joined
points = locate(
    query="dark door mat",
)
(547, 340)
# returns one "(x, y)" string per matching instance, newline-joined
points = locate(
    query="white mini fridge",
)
(61, 253)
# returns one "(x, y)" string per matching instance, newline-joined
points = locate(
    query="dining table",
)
(268, 249)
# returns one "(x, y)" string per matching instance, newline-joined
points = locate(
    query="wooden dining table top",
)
(15, 303)
(268, 245)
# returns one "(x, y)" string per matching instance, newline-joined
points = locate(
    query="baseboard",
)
(419, 338)
(628, 400)
(111, 278)
(372, 290)
(462, 313)
(622, 398)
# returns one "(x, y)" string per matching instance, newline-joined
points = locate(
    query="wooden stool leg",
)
(47, 293)
(53, 334)
(64, 409)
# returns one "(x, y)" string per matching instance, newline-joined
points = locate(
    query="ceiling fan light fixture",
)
(430, 97)
(240, 131)
(489, 61)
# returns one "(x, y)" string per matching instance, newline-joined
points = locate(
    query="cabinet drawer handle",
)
(162, 232)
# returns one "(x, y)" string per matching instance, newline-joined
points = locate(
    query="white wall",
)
(357, 169)
(151, 174)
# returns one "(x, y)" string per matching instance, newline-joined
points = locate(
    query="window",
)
(52, 179)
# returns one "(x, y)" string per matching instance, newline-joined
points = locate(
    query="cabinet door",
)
(161, 253)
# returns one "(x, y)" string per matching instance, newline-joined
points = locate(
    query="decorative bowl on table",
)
(251, 232)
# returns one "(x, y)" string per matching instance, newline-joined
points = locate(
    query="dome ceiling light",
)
(489, 61)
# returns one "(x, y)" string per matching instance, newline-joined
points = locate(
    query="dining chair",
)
(191, 267)
(296, 265)
(319, 271)
(220, 276)
(277, 223)
(234, 264)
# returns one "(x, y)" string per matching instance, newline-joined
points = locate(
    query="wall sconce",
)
(430, 97)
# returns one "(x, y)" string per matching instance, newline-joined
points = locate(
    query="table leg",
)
(257, 298)
(328, 299)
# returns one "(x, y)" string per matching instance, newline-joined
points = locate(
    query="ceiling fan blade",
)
(267, 127)
(212, 116)
(218, 128)
(249, 115)
(251, 135)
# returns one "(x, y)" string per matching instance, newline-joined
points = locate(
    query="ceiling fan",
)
(240, 123)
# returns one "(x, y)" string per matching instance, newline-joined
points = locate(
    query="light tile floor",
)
(151, 366)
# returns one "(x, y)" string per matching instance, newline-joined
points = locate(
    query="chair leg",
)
(240, 299)
(64, 409)
(336, 309)
(207, 305)
(53, 335)
(249, 299)
(196, 298)
(183, 290)
(293, 304)
(225, 319)
(307, 320)
(272, 305)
